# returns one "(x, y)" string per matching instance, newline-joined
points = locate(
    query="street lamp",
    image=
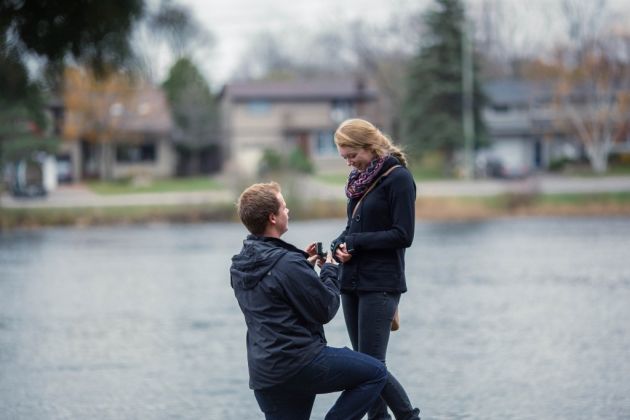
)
(468, 122)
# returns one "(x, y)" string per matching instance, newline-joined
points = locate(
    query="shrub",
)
(299, 162)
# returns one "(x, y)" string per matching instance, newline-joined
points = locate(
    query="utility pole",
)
(468, 122)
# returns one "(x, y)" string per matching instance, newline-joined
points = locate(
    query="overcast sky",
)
(235, 23)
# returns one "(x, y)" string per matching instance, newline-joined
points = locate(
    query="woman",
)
(372, 247)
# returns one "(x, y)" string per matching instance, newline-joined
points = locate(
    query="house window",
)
(135, 153)
(258, 107)
(341, 110)
(500, 107)
(325, 143)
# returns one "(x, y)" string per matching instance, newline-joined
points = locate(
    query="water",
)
(504, 319)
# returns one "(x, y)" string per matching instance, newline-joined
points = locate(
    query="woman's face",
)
(357, 158)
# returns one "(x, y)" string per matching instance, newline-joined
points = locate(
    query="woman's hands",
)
(342, 254)
(329, 259)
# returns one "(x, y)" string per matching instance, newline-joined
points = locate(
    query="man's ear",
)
(272, 218)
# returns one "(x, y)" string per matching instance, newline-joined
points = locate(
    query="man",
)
(285, 304)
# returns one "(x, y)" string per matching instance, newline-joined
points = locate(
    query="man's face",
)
(357, 158)
(282, 218)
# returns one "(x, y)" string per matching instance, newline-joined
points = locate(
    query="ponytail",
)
(398, 154)
(389, 147)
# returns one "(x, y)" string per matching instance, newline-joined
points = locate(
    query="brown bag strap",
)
(356, 207)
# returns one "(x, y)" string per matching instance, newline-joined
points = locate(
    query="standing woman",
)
(372, 248)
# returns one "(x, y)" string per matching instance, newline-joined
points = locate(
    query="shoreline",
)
(439, 209)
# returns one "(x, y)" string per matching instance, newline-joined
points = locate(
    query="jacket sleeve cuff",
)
(350, 244)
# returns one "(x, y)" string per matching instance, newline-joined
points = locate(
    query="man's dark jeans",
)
(368, 318)
(360, 377)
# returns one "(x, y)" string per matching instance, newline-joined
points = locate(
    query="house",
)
(119, 131)
(287, 115)
(521, 120)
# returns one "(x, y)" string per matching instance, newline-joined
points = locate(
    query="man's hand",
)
(312, 259)
(311, 249)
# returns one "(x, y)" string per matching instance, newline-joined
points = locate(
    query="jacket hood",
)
(256, 259)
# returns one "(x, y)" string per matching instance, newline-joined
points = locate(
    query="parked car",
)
(64, 169)
(34, 176)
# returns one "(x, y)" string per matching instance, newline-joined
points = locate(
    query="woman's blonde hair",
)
(356, 133)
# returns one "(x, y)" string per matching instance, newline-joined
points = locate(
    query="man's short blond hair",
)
(255, 205)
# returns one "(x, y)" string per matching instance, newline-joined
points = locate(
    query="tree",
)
(94, 108)
(100, 36)
(195, 113)
(432, 113)
(91, 103)
(593, 96)
(584, 20)
(382, 57)
(590, 76)
(96, 33)
(23, 123)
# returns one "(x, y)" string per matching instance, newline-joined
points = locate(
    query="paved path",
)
(537, 184)
(488, 187)
(80, 196)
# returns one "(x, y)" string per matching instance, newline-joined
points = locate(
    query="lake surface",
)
(504, 319)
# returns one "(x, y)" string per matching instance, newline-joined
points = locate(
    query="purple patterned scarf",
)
(359, 182)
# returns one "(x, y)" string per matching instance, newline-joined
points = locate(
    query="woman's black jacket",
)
(378, 234)
(285, 303)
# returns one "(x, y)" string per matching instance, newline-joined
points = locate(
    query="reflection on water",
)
(508, 319)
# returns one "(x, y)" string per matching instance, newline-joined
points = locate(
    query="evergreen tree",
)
(195, 112)
(23, 123)
(95, 32)
(432, 111)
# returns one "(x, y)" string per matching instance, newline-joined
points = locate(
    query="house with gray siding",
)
(521, 120)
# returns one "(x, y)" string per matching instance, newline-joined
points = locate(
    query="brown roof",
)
(146, 111)
(299, 90)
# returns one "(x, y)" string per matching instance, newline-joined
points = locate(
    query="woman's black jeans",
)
(368, 318)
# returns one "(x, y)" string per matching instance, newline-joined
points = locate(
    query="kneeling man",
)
(285, 304)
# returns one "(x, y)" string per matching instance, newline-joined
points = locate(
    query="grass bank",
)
(41, 217)
(434, 208)
(135, 186)
(506, 205)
